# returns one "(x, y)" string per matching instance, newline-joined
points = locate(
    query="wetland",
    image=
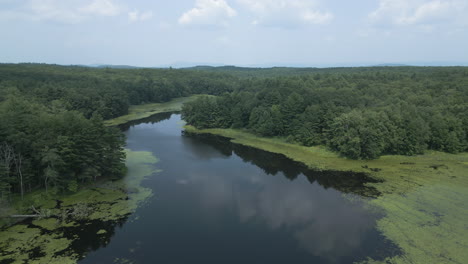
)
(206, 199)
(209, 196)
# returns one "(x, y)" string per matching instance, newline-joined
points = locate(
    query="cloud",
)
(136, 16)
(208, 12)
(285, 13)
(419, 12)
(64, 11)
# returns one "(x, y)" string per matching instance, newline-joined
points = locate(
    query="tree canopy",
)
(52, 134)
(362, 113)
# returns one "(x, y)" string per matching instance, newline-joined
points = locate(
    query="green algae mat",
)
(424, 199)
(98, 210)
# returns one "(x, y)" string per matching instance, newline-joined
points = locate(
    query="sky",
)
(258, 33)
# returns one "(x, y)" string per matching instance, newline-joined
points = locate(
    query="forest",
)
(361, 113)
(52, 134)
(54, 148)
(107, 91)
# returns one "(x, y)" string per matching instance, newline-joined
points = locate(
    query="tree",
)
(7, 156)
(18, 159)
(358, 135)
(51, 160)
(290, 109)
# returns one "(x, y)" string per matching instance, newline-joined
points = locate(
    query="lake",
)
(218, 202)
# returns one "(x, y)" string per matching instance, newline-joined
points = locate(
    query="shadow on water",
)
(148, 120)
(93, 235)
(273, 163)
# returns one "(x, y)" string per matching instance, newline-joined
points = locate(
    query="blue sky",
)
(234, 32)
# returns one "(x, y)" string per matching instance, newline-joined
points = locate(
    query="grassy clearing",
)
(137, 112)
(425, 197)
(44, 240)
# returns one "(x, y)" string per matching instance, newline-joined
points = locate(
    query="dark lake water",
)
(217, 202)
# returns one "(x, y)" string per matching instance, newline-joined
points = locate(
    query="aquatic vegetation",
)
(22, 243)
(50, 240)
(122, 261)
(47, 223)
(101, 232)
(428, 221)
(423, 198)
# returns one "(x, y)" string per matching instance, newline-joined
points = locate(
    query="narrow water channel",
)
(217, 202)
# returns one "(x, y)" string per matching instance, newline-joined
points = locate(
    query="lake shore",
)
(423, 197)
(137, 112)
(98, 197)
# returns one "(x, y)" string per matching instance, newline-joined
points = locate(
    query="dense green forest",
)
(54, 148)
(362, 113)
(107, 91)
(52, 134)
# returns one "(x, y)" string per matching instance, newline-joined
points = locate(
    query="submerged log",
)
(24, 216)
(39, 214)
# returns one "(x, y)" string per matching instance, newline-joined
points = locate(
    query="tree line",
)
(361, 113)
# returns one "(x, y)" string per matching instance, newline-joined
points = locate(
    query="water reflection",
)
(147, 120)
(320, 220)
(272, 164)
(93, 235)
(218, 202)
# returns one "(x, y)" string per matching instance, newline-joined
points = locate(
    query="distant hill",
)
(256, 72)
(246, 72)
(116, 66)
(391, 65)
(107, 66)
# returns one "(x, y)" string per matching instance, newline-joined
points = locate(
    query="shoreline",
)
(97, 208)
(423, 197)
(137, 112)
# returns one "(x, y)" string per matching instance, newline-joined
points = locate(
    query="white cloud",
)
(419, 12)
(285, 13)
(208, 12)
(136, 16)
(64, 11)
